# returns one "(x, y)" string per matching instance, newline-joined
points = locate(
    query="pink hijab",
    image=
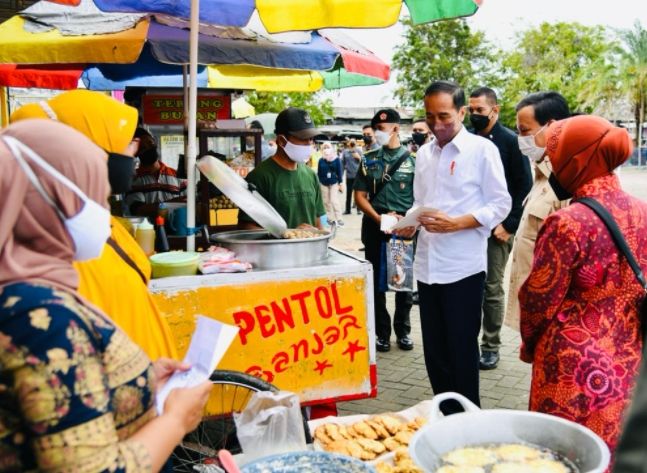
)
(34, 244)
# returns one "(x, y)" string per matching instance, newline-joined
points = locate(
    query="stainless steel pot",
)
(264, 251)
(578, 444)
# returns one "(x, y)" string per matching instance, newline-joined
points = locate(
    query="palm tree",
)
(634, 74)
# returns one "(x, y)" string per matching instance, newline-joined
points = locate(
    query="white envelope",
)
(411, 220)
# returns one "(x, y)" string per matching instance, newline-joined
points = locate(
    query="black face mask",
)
(419, 138)
(560, 192)
(121, 169)
(479, 122)
(368, 139)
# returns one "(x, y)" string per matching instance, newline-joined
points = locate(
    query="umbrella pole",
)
(4, 106)
(185, 125)
(193, 108)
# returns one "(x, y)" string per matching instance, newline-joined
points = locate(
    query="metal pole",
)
(185, 101)
(193, 109)
(4, 106)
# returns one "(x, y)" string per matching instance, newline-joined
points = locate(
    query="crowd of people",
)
(77, 384)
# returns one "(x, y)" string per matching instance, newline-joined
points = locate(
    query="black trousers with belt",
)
(350, 182)
(372, 238)
(450, 320)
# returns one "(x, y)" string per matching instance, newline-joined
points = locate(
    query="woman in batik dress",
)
(580, 326)
(76, 394)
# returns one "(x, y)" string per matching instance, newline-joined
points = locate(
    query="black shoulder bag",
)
(620, 241)
(386, 177)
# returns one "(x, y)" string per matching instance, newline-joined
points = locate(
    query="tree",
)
(447, 50)
(569, 58)
(633, 76)
(320, 109)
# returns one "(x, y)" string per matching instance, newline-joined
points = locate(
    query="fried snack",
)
(460, 469)
(416, 423)
(390, 423)
(362, 429)
(401, 454)
(379, 429)
(391, 444)
(372, 446)
(404, 437)
(470, 457)
(548, 466)
(343, 431)
(515, 452)
(356, 450)
(382, 467)
(338, 446)
(407, 466)
(321, 436)
(332, 430)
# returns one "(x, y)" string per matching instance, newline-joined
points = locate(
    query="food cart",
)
(308, 330)
(305, 311)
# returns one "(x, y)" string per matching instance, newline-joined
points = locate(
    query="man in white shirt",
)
(459, 177)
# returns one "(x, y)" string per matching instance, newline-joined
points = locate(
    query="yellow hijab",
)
(107, 122)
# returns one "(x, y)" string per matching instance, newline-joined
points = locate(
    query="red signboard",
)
(167, 109)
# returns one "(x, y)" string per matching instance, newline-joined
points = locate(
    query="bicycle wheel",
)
(231, 392)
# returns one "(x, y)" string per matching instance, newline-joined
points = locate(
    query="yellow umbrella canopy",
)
(264, 79)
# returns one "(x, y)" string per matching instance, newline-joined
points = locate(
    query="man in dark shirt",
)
(484, 116)
(351, 158)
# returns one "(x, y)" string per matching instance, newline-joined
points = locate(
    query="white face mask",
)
(90, 228)
(382, 138)
(297, 153)
(528, 147)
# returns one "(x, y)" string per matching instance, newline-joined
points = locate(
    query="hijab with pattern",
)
(107, 122)
(584, 147)
(34, 244)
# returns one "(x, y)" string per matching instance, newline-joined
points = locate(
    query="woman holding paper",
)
(76, 393)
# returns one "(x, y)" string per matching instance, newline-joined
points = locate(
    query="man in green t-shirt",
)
(384, 185)
(284, 180)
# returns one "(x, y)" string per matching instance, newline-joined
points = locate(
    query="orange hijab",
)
(34, 244)
(584, 147)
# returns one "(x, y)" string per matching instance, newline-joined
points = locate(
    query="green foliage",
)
(446, 50)
(569, 58)
(320, 109)
(633, 70)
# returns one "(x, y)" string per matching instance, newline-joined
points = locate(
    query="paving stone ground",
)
(402, 378)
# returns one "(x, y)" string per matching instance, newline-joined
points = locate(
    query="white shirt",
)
(464, 177)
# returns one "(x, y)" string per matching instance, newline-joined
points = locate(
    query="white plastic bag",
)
(271, 423)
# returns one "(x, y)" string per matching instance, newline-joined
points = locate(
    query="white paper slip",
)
(411, 220)
(387, 222)
(209, 343)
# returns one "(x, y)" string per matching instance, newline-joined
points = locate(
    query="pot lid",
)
(237, 189)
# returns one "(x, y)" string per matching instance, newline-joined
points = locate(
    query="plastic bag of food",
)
(270, 424)
(399, 264)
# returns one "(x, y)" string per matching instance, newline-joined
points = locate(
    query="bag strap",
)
(617, 236)
(127, 259)
(386, 177)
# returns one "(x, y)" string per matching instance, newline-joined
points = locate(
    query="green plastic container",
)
(174, 263)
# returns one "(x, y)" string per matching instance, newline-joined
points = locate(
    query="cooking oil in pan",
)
(504, 458)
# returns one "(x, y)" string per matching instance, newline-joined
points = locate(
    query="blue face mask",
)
(90, 228)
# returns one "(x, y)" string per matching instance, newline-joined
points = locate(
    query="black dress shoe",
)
(489, 360)
(382, 345)
(405, 343)
(347, 212)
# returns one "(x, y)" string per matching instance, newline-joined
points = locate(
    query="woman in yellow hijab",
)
(117, 281)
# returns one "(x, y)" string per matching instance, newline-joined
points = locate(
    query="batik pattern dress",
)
(73, 387)
(579, 311)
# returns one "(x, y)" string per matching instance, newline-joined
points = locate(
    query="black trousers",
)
(450, 319)
(372, 239)
(350, 182)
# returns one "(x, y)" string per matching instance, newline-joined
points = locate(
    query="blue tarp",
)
(146, 72)
(171, 45)
(217, 12)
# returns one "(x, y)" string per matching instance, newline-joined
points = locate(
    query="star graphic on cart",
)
(321, 366)
(353, 348)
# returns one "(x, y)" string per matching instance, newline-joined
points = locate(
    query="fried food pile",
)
(369, 438)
